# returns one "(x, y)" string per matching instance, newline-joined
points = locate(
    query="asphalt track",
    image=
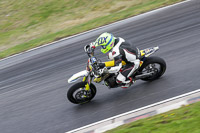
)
(33, 85)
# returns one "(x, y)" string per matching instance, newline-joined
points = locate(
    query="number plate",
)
(93, 60)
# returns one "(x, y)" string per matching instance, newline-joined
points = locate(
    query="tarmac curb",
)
(144, 112)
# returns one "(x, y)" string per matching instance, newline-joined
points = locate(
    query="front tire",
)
(151, 65)
(78, 95)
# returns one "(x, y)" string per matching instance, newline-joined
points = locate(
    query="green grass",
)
(183, 120)
(27, 24)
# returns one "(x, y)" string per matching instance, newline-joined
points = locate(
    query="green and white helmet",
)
(106, 40)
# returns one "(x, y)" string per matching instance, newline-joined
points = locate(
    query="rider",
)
(120, 51)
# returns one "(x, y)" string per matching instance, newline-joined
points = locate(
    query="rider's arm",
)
(116, 64)
(109, 63)
(117, 60)
(112, 63)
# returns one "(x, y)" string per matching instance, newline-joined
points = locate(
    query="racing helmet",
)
(106, 41)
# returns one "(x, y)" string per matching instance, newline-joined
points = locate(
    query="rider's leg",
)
(121, 79)
(136, 66)
(124, 77)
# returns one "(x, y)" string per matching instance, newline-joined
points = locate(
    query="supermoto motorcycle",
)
(151, 68)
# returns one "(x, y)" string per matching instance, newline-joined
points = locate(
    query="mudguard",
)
(76, 76)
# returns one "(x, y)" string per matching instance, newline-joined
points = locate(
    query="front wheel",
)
(78, 95)
(154, 65)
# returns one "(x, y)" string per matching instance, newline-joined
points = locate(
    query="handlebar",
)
(94, 62)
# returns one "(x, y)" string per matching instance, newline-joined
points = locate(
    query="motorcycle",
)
(151, 68)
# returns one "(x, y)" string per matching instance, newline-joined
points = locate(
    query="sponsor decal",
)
(113, 53)
(112, 44)
(102, 40)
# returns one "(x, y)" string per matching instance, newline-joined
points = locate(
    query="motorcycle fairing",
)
(148, 51)
(76, 76)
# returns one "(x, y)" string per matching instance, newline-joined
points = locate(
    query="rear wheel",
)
(154, 65)
(78, 95)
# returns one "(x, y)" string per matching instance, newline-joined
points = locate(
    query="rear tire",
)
(78, 95)
(151, 62)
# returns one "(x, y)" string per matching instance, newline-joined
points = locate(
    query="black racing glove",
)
(89, 48)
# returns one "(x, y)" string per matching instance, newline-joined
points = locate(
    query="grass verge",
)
(28, 24)
(183, 120)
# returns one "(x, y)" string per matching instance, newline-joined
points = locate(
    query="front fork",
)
(87, 86)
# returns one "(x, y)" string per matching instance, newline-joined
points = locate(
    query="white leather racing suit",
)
(123, 51)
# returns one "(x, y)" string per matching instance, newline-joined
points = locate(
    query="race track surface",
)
(33, 85)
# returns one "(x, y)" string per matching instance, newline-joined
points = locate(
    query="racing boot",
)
(127, 83)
